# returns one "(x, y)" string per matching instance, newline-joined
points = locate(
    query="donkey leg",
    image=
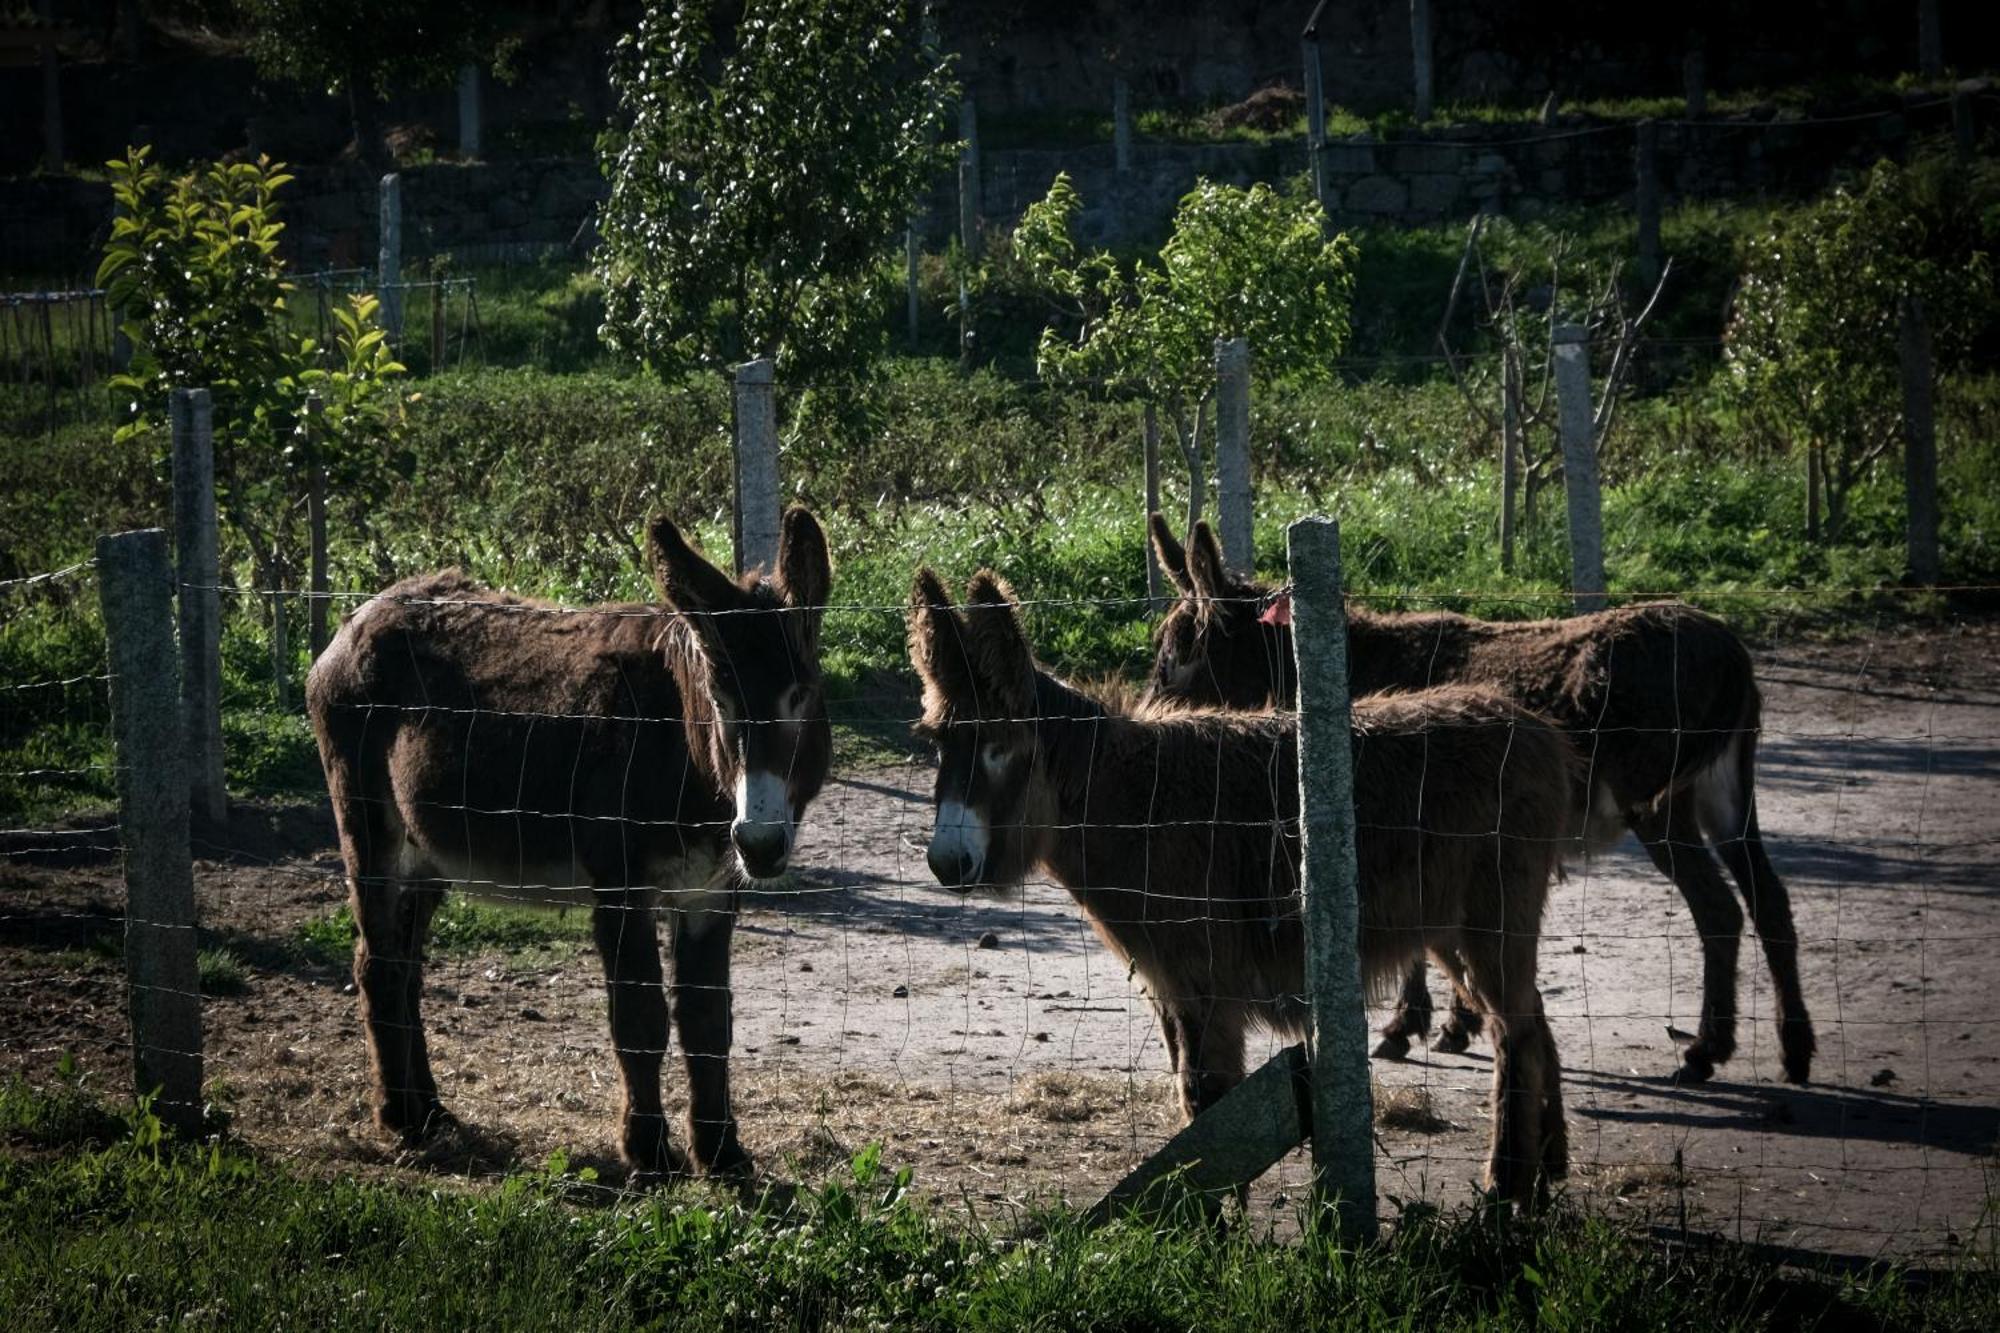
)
(1466, 1020)
(1672, 837)
(1209, 1038)
(393, 916)
(1555, 1128)
(1742, 850)
(1412, 1019)
(622, 922)
(702, 1019)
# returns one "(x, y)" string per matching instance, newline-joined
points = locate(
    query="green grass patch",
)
(144, 1234)
(59, 1114)
(463, 926)
(221, 972)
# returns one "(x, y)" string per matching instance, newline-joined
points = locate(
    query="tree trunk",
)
(1919, 445)
(1813, 469)
(366, 116)
(1155, 588)
(1190, 444)
(1510, 450)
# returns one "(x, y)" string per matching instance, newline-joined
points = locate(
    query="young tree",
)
(759, 176)
(192, 266)
(363, 48)
(1251, 264)
(1813, 345)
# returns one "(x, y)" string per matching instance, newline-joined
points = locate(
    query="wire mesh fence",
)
(1001, 1044)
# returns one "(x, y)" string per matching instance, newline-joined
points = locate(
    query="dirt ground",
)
(1000, 1051)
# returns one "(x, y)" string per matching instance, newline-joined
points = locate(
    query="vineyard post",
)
(1579, 446)
(198, 575)
(757, 505)
(1232, 453)
(468, 111)
(389, 257)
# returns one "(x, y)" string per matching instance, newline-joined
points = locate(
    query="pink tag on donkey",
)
(1279, 612)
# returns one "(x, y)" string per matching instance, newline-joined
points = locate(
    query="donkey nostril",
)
(763, 843)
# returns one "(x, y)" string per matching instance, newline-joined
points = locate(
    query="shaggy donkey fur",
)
(1177, 833)
(1660, 699)
(629, 757)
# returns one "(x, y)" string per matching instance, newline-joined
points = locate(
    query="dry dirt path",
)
(867, 1008)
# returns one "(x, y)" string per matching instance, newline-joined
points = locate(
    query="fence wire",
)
(996, 1041)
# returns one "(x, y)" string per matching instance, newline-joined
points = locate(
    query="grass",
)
(463, 927)
(122, 1229)
(221, 972)
(535, 482)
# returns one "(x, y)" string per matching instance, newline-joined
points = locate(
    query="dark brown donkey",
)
(1176, 831)
(634, 757)
(1660, 699)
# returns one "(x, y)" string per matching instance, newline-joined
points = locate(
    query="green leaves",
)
(192, 266)
(1813, 344)
(1249, 264)
(760, 177)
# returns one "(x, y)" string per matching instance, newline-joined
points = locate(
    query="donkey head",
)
(980, 709)
(753, 663)
(1226, 642)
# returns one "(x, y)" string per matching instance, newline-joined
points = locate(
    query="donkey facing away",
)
(629, 756)
(1660, 699)
(1176, 831)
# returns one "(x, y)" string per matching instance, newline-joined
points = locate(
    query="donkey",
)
(1660, 699)
(1176, 831)
(634, 757)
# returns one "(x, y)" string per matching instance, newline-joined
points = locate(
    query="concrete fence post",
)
(757, 506)
(1343, 1116)
(1919, 444)
(468, 111)
(1420, 53)
(1646, 198)
(1579, 445)
(136, 588)
(1232, 454)
(198, 575)
(389, 257)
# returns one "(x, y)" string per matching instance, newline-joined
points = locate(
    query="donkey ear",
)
(1204, 563)
(1001, 657)
(1173, 560)
(805, 570)
(687, 582)
(938, 647)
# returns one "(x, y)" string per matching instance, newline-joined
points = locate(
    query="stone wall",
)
(55, 226)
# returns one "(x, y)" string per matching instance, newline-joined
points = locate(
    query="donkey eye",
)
(993, 756)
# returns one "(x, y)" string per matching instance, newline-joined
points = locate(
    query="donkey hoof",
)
(729, 1163)
(1452, 1041)
(1696, 1067)
(1393, 1046)
(415, 1121)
